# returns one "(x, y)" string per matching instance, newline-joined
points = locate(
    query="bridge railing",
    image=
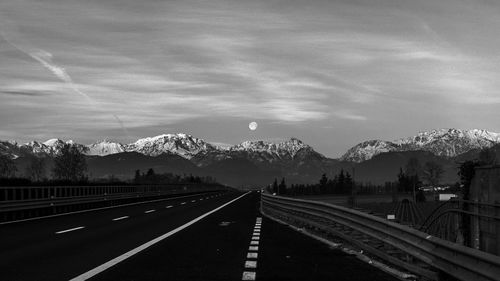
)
(417, 251)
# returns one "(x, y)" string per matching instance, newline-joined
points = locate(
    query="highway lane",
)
(233, 243)
(62, 247)
(237, 243)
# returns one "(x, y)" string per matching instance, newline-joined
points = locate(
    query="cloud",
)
(45, 58)
(23, 93)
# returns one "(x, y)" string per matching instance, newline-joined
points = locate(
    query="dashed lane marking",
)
(252, 255)
(253, 242)
(255, 238)
(192, 201)
(71, 229)
(251, 264)
(89, 274)
(121, 218)
(248, 275)
(253, 248)
(183, 203)
(149, 211)
(169, 206)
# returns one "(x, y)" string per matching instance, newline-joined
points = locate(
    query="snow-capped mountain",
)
(50, 147)
(366, 150)
(104, 147)
(285, 149)
(183, 145)
(441, 142)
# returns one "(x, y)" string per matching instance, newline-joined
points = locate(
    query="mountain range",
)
(259, 162)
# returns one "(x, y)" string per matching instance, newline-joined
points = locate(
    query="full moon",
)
(253, 126)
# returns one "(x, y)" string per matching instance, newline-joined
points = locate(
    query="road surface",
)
(202, 237)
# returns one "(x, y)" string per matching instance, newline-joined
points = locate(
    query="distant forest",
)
(70, 169)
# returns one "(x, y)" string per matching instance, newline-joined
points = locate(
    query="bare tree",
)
(432, 173)
(70, 165)
(36, 169)
(413, 170)
(7, 167)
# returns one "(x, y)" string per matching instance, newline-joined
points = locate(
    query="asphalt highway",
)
(219, 236)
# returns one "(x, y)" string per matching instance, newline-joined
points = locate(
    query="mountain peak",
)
(181, 144)
(285, 148)
(446, 142)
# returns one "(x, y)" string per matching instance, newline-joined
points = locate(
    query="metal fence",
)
(418, 252)
(27, 202)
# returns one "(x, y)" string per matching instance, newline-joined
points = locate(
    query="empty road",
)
(218, 236)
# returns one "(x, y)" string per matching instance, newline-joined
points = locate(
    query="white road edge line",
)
(71, 229)
(89, 274)
(121, 218)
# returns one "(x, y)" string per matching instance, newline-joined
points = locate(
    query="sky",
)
(332, 73)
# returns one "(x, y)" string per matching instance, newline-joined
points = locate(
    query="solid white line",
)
(248, 275)
(149, 211)
(71, 229)
(250, 264)
(121, 218)
(115, 261)
(169, 206)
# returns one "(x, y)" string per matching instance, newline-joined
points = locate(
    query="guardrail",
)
(408, 248)
(27, 202)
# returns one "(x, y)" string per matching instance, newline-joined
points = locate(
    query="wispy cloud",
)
(169, 64)
(45, 58)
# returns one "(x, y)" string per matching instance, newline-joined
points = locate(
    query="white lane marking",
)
(149, 211)
(256, 230)
(201, 199)
(183, 203)
(255, 238)
(71, 229)
(248, 275)
(256, 234)
(252, 255)
(253, 248)
(193, 201)
(97, 209)
(121, 218)
(89, 274)
(169, 206)
(251, 264)
(253, 242)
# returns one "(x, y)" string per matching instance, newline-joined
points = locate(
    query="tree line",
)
(150, 177)
(341, 183)
(70, 168)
